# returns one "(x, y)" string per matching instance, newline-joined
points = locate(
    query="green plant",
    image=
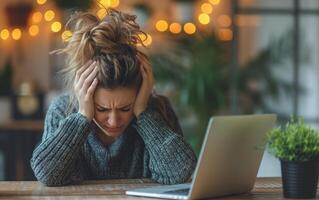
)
(198, 68)
(295, 142)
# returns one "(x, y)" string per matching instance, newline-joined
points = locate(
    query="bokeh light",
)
(4, 34)
(214, 2)
(41, 2)
(175, 28)
(56, 27)
(49, 15)
(206, 8)
(36, 17)
(16, 34)
(66, 35)
(34, 30)
(189, 28)
(224, 21)
(204, 18)
(225, 34)
(161, 25)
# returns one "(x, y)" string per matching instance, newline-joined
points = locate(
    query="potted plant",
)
(297, 147)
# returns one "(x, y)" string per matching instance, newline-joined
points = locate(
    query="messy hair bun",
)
(112, 42)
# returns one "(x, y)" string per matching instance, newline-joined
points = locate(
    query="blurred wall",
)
(29, 55)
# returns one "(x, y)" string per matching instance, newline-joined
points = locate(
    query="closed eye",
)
(102, 109)
(125, 110)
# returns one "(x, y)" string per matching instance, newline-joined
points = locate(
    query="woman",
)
(110, 125)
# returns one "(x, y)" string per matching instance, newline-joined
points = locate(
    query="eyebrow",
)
(116, 108)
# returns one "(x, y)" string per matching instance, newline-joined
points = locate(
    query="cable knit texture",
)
(71, 152)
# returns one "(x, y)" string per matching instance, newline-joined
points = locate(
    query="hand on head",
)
(146, 87)
(84, 86)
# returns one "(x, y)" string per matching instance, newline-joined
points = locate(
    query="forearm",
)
(54, 159)
(172, 159)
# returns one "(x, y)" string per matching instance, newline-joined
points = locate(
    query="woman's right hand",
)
(84, 86)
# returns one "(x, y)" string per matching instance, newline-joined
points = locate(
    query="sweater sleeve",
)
(56, 160)
(171, 158)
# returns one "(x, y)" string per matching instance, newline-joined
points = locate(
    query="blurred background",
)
(210, 57)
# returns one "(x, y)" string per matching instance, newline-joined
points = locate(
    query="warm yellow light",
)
(206, 8)
(16, 34)
(101, 13)
(204, 18)
(104, 3)
(37, 17)
(34, 30)
(146, 39)
(41, 2)
(109, 3)
(5, 34)
(56, 27)
(175, 28)
(224, 21)
(114, 3)
(189, 28)
(161, 25)
(225, 34)
(214, 2)
(49, 15)
(66, 35)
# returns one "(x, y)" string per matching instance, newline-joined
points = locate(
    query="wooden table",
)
(265, 188)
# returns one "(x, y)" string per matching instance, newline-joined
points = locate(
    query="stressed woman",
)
(110, 124)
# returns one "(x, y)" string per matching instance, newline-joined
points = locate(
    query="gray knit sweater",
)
(70, 150)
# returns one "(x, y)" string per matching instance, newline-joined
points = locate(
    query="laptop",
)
(228, 162)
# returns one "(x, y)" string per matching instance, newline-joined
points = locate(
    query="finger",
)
(81, 70)
(143, 72)
(89, 79)
(85, 74)
(92, 87)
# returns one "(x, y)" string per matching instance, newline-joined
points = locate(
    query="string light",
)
(114, 3)
(204, 18)
(5, 34)
(101, 13)
(161, 25)
(206, 8)
(16, 34)
(37, 17)
(56, 27)
(214, 2)
(146, 39)
(189, 28)
(34, 30)
(49, 15)
(225, 34)
(175, 28)
(41, 2)
(66, 35)
(109, 3)
(224, 21)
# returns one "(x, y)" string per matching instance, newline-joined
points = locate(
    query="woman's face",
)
(114, 109)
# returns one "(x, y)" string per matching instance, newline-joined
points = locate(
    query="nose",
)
(113, 120)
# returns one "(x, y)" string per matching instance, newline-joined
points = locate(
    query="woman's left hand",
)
(146, 88)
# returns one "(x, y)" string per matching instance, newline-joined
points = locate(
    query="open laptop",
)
(228, 163)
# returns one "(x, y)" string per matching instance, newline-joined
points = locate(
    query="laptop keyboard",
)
(178, 192)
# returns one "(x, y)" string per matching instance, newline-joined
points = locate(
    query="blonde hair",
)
(112, 42)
